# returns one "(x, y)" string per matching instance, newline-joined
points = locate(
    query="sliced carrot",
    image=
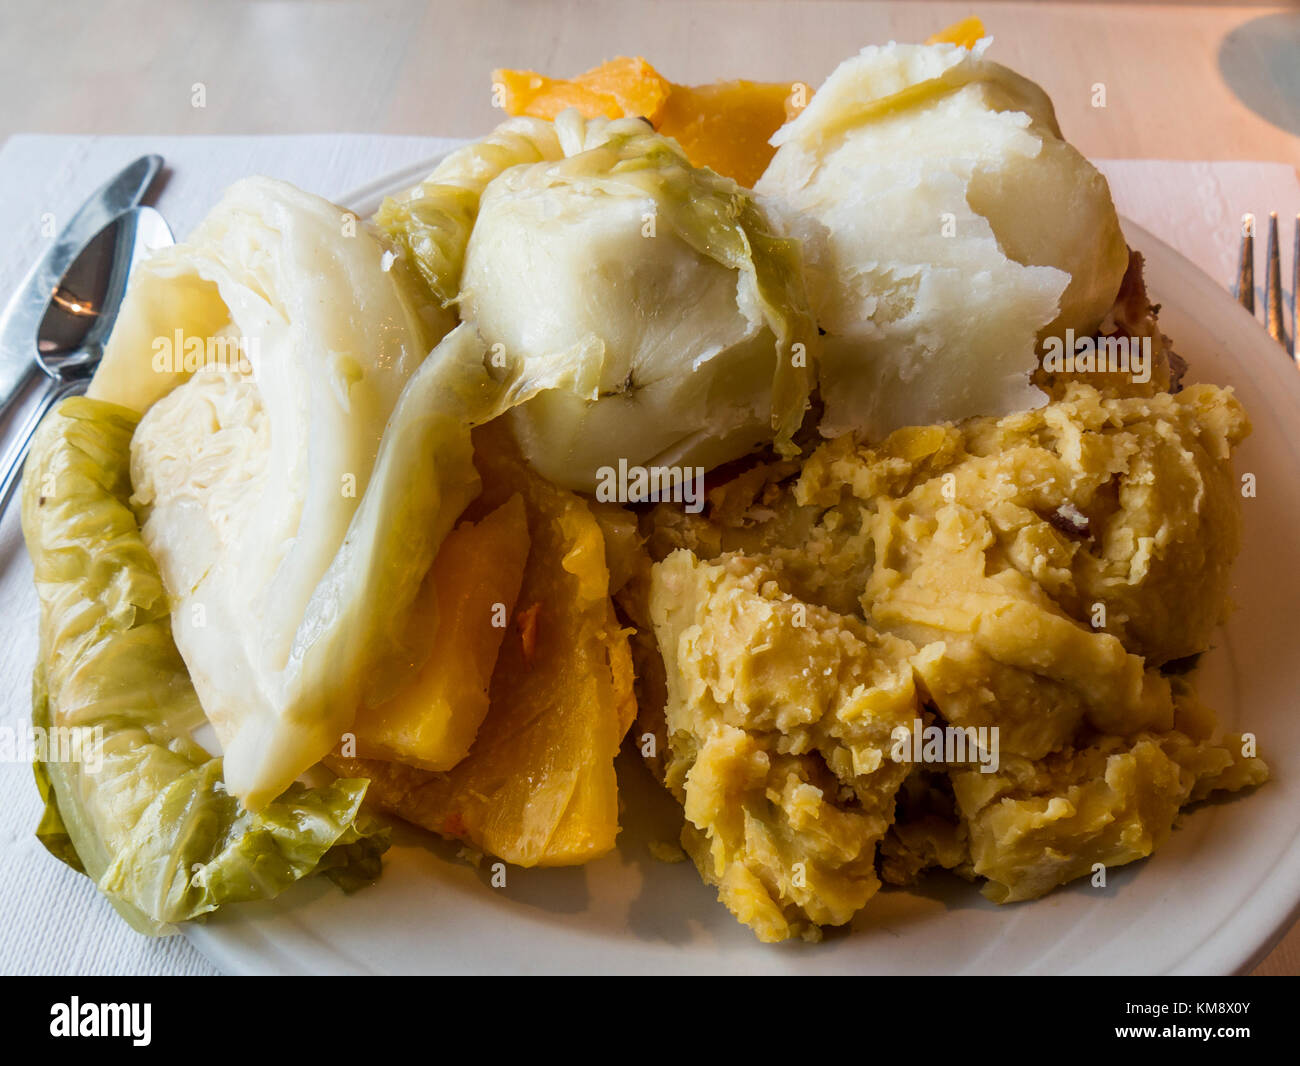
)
(617, 88)
(726, 126)
(964, 32)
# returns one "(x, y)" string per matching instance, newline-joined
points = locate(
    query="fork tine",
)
(1295, 286)
(1273, 286)
(1245, 289)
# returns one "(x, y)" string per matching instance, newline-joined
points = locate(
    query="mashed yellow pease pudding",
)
(1031, 574)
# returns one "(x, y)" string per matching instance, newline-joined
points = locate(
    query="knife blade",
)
(22, 316)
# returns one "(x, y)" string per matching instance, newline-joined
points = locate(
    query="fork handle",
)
(53, 392)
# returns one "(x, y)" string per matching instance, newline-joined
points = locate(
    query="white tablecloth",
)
(53, 920)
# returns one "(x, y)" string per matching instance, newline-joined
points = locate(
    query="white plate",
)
(1214, 900)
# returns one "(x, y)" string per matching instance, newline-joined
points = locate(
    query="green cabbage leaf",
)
(142, 809)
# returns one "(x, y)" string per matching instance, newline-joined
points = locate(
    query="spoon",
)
(77, 323)
(22, 312)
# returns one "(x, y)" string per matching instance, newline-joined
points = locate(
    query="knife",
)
(22, 316)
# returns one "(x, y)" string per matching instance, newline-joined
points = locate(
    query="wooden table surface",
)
(1181, 80)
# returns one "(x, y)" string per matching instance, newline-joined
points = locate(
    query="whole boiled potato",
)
(948, 228)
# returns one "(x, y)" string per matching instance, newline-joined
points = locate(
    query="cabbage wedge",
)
(431, 222)
(148, 817)
(295, 473)
(674, 306)
(668, 309)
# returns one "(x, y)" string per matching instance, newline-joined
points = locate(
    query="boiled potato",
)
(948, 229)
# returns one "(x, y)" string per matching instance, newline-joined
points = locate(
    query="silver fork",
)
(1245, 287)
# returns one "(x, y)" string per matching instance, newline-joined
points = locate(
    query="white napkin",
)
(54, 920)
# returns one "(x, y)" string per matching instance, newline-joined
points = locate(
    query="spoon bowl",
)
(83, 307)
